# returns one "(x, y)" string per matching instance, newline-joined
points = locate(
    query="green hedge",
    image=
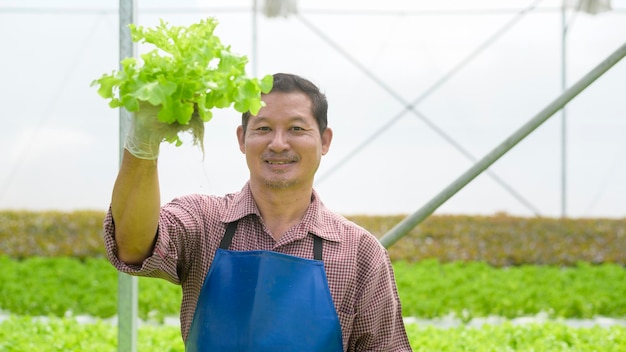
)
(428, 289)
(51, 234)
(499, 240)
(502, 240)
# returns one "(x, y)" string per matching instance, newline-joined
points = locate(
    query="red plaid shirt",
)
(359, 272)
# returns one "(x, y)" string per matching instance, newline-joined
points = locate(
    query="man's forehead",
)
(262, 118)
(280, 94)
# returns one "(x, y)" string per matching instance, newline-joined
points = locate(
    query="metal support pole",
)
(126, 285)
(408, 223)
(254, 60)
(563, 112)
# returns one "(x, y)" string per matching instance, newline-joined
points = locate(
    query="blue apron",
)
(264, 301)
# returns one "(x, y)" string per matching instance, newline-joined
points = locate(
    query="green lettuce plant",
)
(188, 73)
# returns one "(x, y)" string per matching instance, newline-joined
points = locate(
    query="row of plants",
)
(450, 266)
(55, 286)
(26, 234)
(432, 289)
(499, 240)
(18, 334)
(503, 240)
(41, 286)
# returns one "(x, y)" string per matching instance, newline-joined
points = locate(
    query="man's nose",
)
(279, 141)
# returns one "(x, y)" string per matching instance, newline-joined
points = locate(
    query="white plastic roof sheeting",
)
(371, 58)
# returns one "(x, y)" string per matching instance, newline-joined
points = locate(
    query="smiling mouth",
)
(279, 162)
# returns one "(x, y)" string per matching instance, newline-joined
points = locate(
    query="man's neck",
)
(281, 209)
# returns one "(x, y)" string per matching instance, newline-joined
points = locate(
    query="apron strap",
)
(317, 247)
(228, 235)
(232, 227)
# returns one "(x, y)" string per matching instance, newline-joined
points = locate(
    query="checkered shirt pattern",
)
(359, 272)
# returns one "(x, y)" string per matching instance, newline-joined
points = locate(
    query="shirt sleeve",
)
(161, 264)
(378, 323)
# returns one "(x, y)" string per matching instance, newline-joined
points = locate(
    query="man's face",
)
(282, 143)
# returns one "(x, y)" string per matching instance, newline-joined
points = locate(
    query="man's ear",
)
(241, 137)
(327, 137)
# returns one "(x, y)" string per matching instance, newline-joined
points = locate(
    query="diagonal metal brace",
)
(411, 221)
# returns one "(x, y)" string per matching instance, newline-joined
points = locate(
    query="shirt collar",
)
(241, 206)
(313, 221)
(316, 218)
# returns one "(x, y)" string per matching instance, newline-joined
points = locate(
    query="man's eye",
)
(263, 128)
(297, 128)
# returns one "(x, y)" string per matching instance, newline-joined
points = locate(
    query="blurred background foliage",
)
(498, 240)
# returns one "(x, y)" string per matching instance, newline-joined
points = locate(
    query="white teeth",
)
(278, 162)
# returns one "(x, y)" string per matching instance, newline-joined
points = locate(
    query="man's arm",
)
(136, 199)
(135, 208)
